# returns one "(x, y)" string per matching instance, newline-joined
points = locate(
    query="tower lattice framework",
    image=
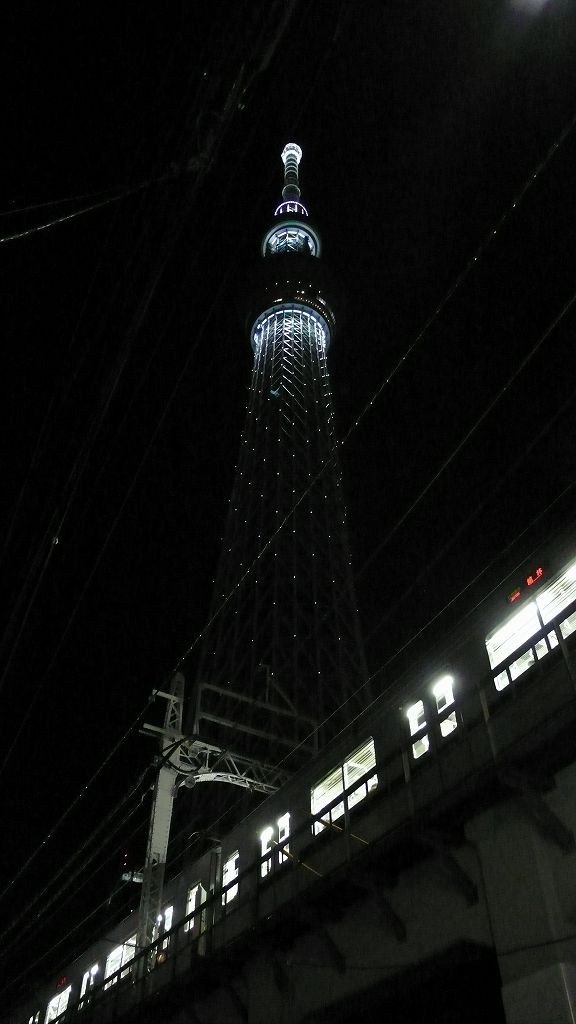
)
(284, 651)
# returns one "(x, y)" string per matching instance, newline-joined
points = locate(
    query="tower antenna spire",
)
(291, 157)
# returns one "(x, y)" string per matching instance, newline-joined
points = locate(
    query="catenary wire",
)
(478, 508)
(66, 867)
(66, 814)
(46, 547)
(159, 425)
(382, 667)
(117, 371)
(60, 942)
(419, 336)
(51, 537)
(472, 262)
(449, 296)
(43, 918)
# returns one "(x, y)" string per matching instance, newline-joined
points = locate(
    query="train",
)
(452, 707)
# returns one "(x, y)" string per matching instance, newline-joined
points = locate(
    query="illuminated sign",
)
(530, 580)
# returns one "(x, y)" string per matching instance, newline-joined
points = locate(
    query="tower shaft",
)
(284, 651)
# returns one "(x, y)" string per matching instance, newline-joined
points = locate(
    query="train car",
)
(495, 689)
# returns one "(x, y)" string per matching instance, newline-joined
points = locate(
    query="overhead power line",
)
(479, 253)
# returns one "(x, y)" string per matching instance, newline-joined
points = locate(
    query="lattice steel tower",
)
(285, 651)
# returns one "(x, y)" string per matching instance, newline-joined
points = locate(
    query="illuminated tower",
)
(285, 651)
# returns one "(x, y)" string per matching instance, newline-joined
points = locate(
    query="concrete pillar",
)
(529, 886)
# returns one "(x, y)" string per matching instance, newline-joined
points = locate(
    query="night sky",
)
(126, 362)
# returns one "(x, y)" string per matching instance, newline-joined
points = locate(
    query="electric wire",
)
(115, 376)
(58, 529)
(472, 262)
(73, 804)
(418, 338)
(210, 828)
(27, 232)
(477, 423)
(449, 295)
(415, 636)
(52, 530)
(158, 427)
(39, 921)
(507, 384)
(60, 942)
(67, 868)
(104, 546)
(478, 508)
(79, 469)
(44, 428)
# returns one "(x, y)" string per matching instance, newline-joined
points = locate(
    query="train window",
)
(283, 833)
(194, 898)
(266, 838)
(526, 623)
(57, 1004)
(416, 716)
(515, 631)
(269, 840)
(501, 681)
(568, 626)
(88, 982)
(558, 595)
(522, 664)
(35, 1018)
(119, 956)
(229, 874)
(356, 765)
(443, 691)
(164, 924)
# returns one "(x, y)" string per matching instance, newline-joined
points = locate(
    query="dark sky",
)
(126, 362)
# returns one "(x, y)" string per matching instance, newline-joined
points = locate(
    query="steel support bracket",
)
(453, 870)
(318, 928)
(535, 806)
(388, 915)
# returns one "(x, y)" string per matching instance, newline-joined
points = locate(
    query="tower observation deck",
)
(284, 650)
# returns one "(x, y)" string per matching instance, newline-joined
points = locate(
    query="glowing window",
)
(57, 1004)
(270, 839)
(166, 922)
(266, 838)
(35, 1018)
(501, 681)
(558, 595)
(88, 982)
(356, 765)
(515, 631)
(443, 691)
(229, 874)
(522, 664)
(568, 626)
(416, 716)
(191, 904)
(113, 964)
(283, 833)
(119, 957)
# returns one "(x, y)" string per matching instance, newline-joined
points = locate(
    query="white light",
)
(443, 692)
(415, 716)
(291, 148)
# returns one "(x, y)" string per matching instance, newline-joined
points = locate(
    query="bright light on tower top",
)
(291, 157)
(291, 147)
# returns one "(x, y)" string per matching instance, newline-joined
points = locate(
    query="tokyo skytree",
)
(283, 654)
